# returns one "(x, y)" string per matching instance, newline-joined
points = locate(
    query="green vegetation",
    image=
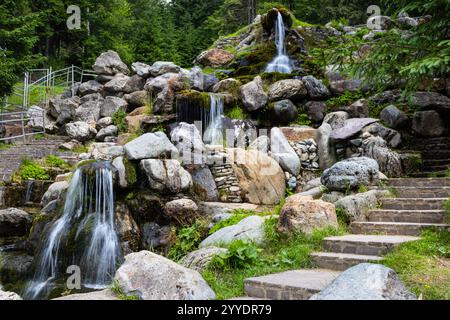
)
(30, 170)
(118, 119)
(188, 239)
(234, 219)
(424, 265)
(343, 100)
(447, 208)
(118, 291)
(236, 113)
(303, 119)
(278, 253)
(57, 162)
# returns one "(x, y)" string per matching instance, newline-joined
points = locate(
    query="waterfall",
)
(28, 191)
(86, 232)
(281, 63)
(214, 132)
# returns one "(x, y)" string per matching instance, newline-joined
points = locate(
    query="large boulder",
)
(6, 295)
(229, 85)
(89, 109)
(351, 127)
(304, 214)
(350, 174)
(215, 58)
(316, 89)
(342, 86)
(80, 131)
(391, 136)
(150, 145)
(293, 89)
(428, 124)
(183, 211)
(153, 277)
(325, 146)
(282, 152)
(137, 99)
(358, 109)
(158, 84)
(166, 175)
(141, 69)
(54, 192)
(260, 177)
(366, 282)
(285, 111)
(109, 63)
(105, 151)
(355, 207)
(389, 161)
(91, 86)
(63, 110)
(336, 119)
(315, 110)
(118, 83)
(204, 185)
(163, 67)
(109, 131)
(253, 95)
(40, 120)
(198, 260)
(127, 229)
(249, 229)
(14, 222)
(425, 100)
(188, 140)
(111, 105)
(393, 117)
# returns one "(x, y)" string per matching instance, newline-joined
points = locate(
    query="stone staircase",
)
(435, 157)
(418, 206)
(11, 157)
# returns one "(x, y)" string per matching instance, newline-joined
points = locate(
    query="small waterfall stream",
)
(214, 132)
(94, 247)
(281, 63)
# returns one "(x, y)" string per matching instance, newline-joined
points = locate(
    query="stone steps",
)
(413, 203)
(435, 168)
(394, 228)
(422, 192)
(435, 162)
(361, 244)
(342, 261)
(436, 174)
(290, 285)
(419, 182)
(415, 216)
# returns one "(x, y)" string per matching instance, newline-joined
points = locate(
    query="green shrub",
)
(240, 254)
(30, 170)
(303, 119)
(343, 100)
(118, 119)
(188, 239)
(56, 162)
(235, 219)
(236, 113)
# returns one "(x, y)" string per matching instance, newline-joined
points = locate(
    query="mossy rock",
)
(193, 97)
(130, 172)
(269, 19)
(145, 207)
(254, 61)
(15, 267)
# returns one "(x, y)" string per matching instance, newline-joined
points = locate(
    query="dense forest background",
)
(34, 33)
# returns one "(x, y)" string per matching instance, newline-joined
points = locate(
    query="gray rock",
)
(250, 229)
(134, 83)
(63, 110)
(366, 282)
(407, 22)
(358, 109)
(204, 184)
(137, 99)
(391, 136)
(39, 120)
(229, 85)
(428, 124)
(325, 146)
(283, 153)
(351, 127)
(209, 81)
(111, 105)
(150, 145)
(54, 192)
(153, 277)
(316, 89)
(195, 78)
(105, 151)
(355, 207)
(380, 23)
(430, 101)
(288, 89)
(103, 295)
(89, 110)
(166, 175)
(198, 260)
(350, 174)
(158, 84)
(336, 119)
(393, 117)
(14, 222)
(188, 140)
(315, 110)
(183, 211)
(6, 295)
(262, 144)
(253, 95)
(389, 161)
(80, 131)
(285, 111)
(15, 266)
(109, 63)
(141, 69)
(104, 122)
(118, 83)
(120, 172)
(109, 131)
(89, 87)
(315, 183)
(163, 67)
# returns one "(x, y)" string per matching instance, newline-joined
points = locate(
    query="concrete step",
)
(422, 192)
(419, 182)
(341, 261)
(413, 203)
(290, 285)
(394, 228)
(362, 244)
(416, 216)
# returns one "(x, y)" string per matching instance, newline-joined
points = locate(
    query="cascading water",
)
(88, 217)
(281, 63)
(214, 132)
